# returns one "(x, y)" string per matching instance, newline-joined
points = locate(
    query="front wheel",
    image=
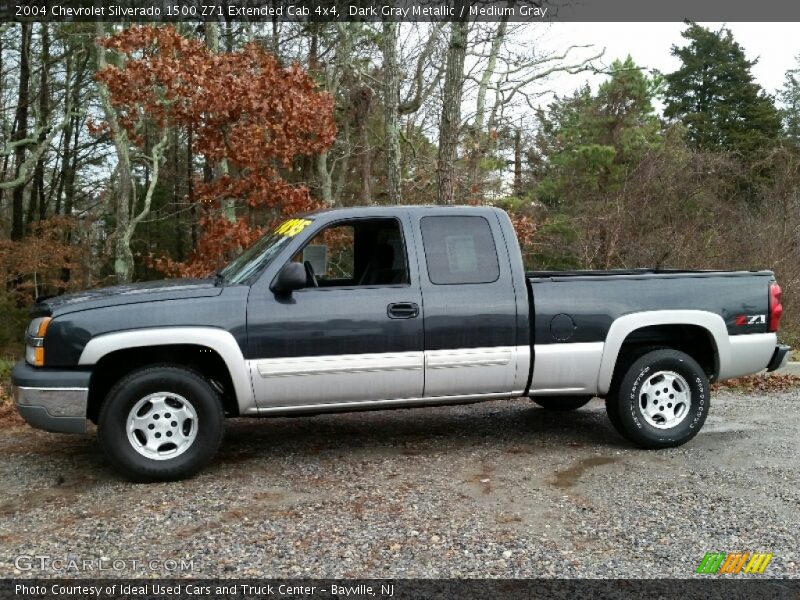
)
(662, 400)
(161, 423)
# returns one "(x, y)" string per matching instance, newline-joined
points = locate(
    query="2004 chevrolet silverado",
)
(376, 308)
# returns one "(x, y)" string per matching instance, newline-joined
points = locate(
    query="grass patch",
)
(8, 413)
(6, 365)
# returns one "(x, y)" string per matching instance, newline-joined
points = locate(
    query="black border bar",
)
(710, 587)
(400, 10)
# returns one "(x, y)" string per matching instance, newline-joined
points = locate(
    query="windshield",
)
(260, 254)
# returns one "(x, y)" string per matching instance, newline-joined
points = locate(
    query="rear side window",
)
(459, 250)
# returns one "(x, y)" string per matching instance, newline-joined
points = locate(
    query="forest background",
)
(134, 153)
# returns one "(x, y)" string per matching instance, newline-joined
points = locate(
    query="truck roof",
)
(404, 208)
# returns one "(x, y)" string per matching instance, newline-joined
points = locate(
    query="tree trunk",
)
(313, 47)
(518, 192)
(69, 175)
(228, 204)
(70, 166)
(125, 236)
(67, 140)
(123, 257)
(333, 73)
(361, 99)
(57, 178)
(391, 112)
(229, 36)
(450, 124)
(366, 166)
(180, 252)
(2, 87)
(44, 116)
(480, 138)
(190, 187)
(275, 40)
(325, 179)
(17, 195)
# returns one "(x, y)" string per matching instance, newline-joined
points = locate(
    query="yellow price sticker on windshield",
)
(292, 227)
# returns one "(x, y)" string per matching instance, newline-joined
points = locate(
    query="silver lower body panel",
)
(750, 353)
(60, 410)
(566, 369)
(391, 378)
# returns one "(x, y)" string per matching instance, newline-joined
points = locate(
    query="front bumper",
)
(779, 358)
(53, 400)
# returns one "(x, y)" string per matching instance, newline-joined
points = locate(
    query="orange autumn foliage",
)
(38, 264)
(243, 108)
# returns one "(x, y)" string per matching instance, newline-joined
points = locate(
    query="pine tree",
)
(715, 96)
(594, 140)
(789, 95)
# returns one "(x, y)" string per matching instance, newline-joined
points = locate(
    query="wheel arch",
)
(673, 328)
(208, 349)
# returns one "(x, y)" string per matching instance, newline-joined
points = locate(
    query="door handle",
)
(402, 310)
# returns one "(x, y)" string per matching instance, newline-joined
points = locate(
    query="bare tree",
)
(125, 208)
(20, 135)
(38, 201)
(391, 111)
(478, 143)
(212, 41)
(393, 107)
(450, 125)
(509, 73)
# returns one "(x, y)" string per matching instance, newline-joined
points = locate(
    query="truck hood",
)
(150, 291)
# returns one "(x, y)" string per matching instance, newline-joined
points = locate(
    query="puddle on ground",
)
(569, 477)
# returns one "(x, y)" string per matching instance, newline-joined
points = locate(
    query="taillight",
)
(775, 308)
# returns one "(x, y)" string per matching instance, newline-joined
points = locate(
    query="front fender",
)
(219, 340)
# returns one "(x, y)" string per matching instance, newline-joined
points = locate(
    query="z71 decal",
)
(744, 320)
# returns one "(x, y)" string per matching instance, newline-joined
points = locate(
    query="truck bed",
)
(641, 273)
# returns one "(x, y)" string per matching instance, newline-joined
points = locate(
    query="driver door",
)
(353, 334)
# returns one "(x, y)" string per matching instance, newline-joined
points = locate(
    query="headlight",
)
(34, 341)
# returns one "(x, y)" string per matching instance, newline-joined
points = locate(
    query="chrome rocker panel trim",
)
(278, 411)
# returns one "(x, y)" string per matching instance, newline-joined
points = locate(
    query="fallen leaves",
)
(767, 382)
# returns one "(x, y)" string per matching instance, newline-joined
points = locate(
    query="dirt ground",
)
(500, 489)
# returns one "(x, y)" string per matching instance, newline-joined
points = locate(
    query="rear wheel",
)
(661, 400)
(161, 423)
(626, 358)
(561, 403)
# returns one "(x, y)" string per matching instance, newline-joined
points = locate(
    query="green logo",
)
(720, 562)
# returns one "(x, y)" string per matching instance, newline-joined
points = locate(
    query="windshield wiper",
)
(219, 278)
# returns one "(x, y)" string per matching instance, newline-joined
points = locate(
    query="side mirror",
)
(291, 277)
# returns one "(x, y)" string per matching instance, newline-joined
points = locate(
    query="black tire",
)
(626, 359)
(132, 388)
(561, 403)
(612, 409)
(625, 401)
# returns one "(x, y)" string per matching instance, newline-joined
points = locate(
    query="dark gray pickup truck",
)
(373, 308)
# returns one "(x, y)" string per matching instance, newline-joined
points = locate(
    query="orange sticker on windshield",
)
(292, 227)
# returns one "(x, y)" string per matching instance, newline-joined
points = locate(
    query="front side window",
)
(363, 252)
(459, 250)
(259, 255)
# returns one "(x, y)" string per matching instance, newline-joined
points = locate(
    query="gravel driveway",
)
(501, 489)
